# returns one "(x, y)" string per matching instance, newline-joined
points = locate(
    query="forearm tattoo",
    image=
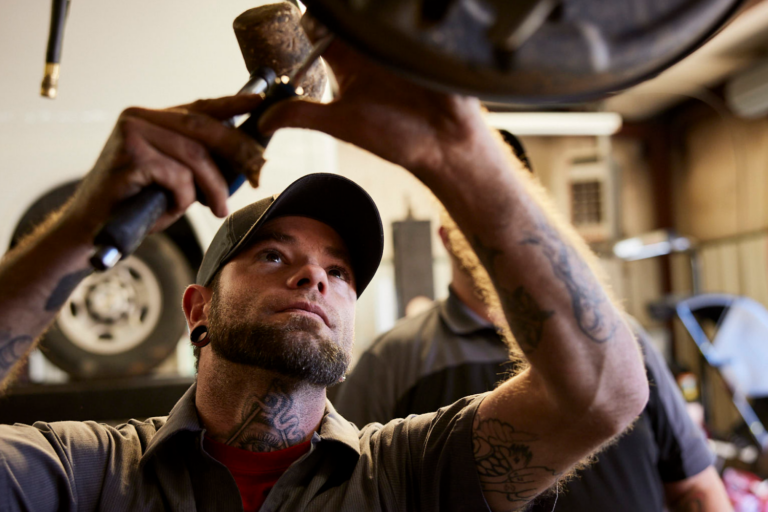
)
(269, 422)
(64, 289)
(526, 317)
(591, 308)
(503, 458)
(12, 348)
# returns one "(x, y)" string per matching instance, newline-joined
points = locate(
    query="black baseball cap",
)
(331, 199)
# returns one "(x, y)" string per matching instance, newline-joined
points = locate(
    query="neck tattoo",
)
(269, 422)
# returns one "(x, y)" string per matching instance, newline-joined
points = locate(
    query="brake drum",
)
(526, 51)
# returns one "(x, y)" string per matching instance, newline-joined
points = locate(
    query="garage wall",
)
(720, 196)
(642, 280)
(720, 186)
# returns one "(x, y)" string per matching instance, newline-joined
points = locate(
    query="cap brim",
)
(343, 205)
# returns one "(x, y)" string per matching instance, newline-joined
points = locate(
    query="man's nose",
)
(310, 276)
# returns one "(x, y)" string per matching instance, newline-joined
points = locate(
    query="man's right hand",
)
(172, 148)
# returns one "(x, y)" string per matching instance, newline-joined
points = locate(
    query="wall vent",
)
(587, 207)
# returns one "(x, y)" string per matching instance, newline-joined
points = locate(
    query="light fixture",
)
(651, 245)
(556, 123)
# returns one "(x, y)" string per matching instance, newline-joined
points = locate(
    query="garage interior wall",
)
(720, 197)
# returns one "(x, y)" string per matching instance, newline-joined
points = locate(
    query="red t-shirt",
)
(255, 472)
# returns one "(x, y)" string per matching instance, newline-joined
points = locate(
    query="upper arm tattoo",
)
(503, 458)
(269, 422)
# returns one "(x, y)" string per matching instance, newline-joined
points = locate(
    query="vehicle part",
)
(124, 321)
(526, 51)
(169, 268)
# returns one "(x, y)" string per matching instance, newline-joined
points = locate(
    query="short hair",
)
(517, 148)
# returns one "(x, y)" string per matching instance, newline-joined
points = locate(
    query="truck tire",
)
(125, 321)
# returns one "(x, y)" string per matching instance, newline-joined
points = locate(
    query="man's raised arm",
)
(171, 148)
(586, 380)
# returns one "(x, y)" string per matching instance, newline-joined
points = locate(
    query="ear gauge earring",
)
(199, 336)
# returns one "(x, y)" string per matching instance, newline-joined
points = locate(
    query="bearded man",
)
(273, 309)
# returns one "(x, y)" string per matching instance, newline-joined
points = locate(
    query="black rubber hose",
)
(59, 11)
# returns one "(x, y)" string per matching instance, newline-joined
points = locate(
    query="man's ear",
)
(195, 304)
(444, 237)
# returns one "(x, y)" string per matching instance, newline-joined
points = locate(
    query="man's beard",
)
(294, 349)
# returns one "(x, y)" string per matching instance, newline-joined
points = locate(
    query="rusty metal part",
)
(271, 35)
(527, 51)
(312, 59)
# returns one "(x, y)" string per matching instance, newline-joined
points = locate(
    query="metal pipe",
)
(50, 85)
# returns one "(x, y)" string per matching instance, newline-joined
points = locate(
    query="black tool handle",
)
(127, 228)
(59, 10)
(129, 225)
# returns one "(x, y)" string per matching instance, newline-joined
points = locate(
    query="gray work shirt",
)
(419, 463)
(423, 363)
(447, 352)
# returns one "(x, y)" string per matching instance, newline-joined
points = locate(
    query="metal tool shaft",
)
(50, 86)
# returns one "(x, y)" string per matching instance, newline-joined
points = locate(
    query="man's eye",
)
(338, 273)
(272, 257)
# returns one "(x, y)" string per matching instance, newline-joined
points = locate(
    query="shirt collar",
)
(183, 417)
(335, 428)
(459, 318)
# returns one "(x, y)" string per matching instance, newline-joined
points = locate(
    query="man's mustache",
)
(313, 302)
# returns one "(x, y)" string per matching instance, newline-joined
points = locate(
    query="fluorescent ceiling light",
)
(556, 123)
(651, 245)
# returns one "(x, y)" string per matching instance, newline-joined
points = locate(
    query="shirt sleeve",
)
(63, 466)
(368, 394)
(683, 451)
(426, 462)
